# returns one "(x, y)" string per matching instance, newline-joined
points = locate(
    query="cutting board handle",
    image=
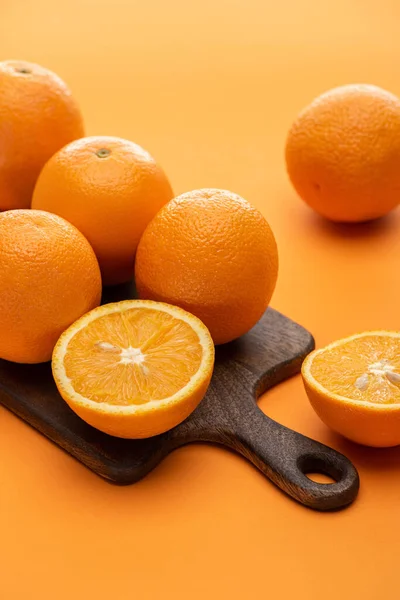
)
(286, 457)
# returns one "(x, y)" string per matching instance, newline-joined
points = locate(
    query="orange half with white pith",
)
(134, 369)
(354, 386)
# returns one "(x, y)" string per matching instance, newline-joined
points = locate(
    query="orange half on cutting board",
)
(354, 386)
(134, 369)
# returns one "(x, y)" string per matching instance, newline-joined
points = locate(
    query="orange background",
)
(210, 88)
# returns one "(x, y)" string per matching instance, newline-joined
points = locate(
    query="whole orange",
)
(343, 153)
(212, 253)
(110, 189)
(38, 116)
(49, 277)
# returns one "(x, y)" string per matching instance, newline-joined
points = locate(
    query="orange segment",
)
(365, 368)
(354, 386)
(134, 368)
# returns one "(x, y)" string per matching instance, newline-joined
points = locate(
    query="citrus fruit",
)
(212, 253)
(38, 116)
(343, 153)
(134, 369)
(110, 189)
(354, 387)
(49, 277)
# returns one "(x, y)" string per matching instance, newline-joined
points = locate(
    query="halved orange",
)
(134, 369)
(354, 386)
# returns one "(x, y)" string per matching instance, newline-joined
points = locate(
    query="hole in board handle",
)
(320, 478)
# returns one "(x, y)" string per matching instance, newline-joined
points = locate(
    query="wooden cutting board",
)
(228, 415)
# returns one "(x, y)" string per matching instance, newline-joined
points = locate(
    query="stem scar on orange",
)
(109, 188)
(38, 116)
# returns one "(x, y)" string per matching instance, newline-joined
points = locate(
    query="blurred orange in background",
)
(343, 153)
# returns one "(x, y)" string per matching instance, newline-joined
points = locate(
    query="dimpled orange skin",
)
(49, 277)
(212, 253)
(38, 116)
(109, 188)
(343, 153)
